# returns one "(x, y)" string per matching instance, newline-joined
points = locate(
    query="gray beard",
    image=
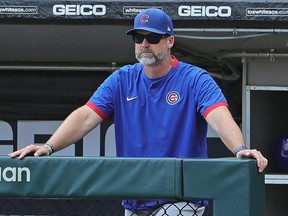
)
(152, 61)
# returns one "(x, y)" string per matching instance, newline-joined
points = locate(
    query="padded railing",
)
(234, 185)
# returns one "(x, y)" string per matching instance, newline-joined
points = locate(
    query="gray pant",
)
(174, 209)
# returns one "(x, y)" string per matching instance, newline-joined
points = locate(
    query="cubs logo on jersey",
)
(172, 97)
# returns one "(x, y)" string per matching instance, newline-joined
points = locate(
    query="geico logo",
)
(85, 10)
(15, 174)
(204, 11)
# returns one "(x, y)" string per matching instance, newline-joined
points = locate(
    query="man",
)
(160, 106)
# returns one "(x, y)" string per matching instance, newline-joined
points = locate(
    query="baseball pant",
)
(172, 209)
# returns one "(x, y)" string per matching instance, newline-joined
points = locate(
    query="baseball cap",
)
(153, 20)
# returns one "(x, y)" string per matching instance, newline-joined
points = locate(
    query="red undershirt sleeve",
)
(97, 110)
(209, 109)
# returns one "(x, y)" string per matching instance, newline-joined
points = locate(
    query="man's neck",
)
(160, 70)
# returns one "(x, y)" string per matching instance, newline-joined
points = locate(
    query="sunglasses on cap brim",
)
(151, 38)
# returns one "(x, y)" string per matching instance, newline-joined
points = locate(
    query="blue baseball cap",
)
(152, 20)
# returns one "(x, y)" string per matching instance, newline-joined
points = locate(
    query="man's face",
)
(152, 53)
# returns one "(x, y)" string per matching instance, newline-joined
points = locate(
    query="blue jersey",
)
(163, 117)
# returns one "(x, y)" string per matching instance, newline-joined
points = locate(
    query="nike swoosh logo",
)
(131, 98)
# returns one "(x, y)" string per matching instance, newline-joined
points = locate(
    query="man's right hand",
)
(30, 150)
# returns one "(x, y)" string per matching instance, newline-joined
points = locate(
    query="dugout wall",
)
(234, 185)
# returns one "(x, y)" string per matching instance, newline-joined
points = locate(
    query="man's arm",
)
(221, 120)
(73, 128)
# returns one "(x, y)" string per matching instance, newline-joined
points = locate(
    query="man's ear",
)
(171, 42)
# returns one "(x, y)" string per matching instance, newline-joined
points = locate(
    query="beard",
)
(150, 58)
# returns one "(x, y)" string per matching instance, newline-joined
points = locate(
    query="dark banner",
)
(126, 10)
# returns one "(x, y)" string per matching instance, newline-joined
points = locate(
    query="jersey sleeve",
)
(210, 95)
(102, 99)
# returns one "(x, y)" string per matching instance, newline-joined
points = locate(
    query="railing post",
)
(234, 185)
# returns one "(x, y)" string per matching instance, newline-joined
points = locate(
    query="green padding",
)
(234, 184)
(72, 177)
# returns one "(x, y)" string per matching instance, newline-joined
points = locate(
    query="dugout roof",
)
(94, 31)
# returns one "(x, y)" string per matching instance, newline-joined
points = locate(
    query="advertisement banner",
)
(126, 10)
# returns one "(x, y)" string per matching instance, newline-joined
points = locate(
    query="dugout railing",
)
(233, 185)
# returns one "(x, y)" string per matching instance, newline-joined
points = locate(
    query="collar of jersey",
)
(175, 61)
(174, 65)
(148, 81)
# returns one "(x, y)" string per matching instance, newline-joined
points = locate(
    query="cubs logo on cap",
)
(144, 18)
(153, 20)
